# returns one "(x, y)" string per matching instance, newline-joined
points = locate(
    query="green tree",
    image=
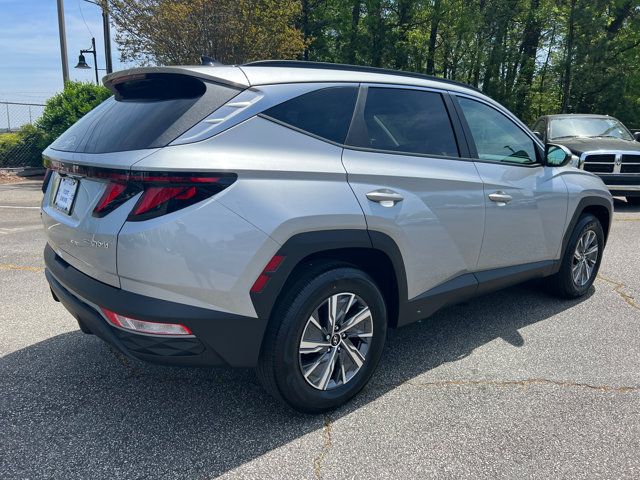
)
(67, 107)
(173, 32)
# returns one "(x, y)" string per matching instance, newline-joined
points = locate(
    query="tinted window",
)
(411, 121)
(496, 137)
(326, 113)
(145, 113)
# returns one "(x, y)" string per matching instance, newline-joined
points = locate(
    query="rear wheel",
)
(633, 200)
(581, 259)
(325, 339)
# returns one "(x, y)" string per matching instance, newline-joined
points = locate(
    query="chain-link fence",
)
(20, 142)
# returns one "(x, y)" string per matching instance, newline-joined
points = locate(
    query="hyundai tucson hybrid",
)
(601, 144)
(284, 215)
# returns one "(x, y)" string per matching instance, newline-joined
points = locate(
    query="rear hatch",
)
(92, 160)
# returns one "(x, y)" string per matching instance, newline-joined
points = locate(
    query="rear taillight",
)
(114, 195)
(143, 326)
(161, 192)
(45, 181)
(166, 193)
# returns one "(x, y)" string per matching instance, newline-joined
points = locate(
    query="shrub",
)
(22, 148)
(67, 107)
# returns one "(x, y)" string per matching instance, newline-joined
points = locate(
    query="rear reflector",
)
(142, 326)
(264, 277)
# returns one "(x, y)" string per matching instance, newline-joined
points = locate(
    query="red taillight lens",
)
(153, 197)
(143, 326)
(161, 192)
(167, 193)
(110, 194)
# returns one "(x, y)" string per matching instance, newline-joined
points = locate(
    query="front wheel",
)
(581, 259)
(325, 339)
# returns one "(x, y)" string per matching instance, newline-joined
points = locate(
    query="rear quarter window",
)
(325, 113)
(147, 112)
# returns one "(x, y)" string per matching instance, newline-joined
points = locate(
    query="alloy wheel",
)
(585, 257)
(335, 341)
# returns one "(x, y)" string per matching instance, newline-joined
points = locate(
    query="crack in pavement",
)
(326, 446)
(619, 286)
(524, 383)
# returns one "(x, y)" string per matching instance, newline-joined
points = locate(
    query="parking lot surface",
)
(516, 384)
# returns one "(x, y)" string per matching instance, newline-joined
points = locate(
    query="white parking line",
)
(13, 206)
(7, 231)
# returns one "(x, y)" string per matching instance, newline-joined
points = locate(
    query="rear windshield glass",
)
(326, 113)
(147, 112)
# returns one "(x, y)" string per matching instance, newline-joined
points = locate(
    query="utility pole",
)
(63, 42)
(106, 30)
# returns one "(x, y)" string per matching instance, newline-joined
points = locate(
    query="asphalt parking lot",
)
(513, 385)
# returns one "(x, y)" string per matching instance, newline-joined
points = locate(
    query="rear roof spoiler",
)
(227, 75)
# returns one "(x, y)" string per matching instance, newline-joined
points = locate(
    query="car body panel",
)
(87, 242)
(288, 182)
(529, 228)
(438, 225)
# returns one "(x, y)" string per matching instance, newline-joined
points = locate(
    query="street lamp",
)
(106, 31)
(82, 62)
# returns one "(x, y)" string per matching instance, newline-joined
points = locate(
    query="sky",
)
(30, 64)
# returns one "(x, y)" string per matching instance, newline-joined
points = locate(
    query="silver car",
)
(284, 215)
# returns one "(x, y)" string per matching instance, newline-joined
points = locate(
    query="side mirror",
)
(637, 136)
(556, 155)
(538, 134)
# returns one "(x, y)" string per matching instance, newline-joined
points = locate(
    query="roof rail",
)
(353, 68)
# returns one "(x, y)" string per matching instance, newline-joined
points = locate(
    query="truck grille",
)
(616, 162)
(599, 163)
(630, 163)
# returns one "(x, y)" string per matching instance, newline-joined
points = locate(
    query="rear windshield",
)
(148, 111)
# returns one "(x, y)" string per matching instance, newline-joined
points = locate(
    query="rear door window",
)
(405, 120)
(146, 112)
(325, 113)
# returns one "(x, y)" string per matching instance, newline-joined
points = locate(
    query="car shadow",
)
(72, 407)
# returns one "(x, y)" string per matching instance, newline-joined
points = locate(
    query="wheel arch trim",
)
(307, 244)
(584, 205)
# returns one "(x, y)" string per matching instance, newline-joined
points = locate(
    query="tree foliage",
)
(65, 108)
(231, 31)
(535, 56)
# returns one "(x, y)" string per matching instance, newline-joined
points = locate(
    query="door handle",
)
(500, 197)
(385, 197)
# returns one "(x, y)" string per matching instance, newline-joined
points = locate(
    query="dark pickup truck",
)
(602, 145)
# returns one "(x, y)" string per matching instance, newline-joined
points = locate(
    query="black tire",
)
(633, 201)
(562, 284)
(280, 368)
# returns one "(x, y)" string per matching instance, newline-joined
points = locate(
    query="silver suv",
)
(283, 215)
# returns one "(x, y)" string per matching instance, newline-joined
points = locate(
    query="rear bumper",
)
(220, 339)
